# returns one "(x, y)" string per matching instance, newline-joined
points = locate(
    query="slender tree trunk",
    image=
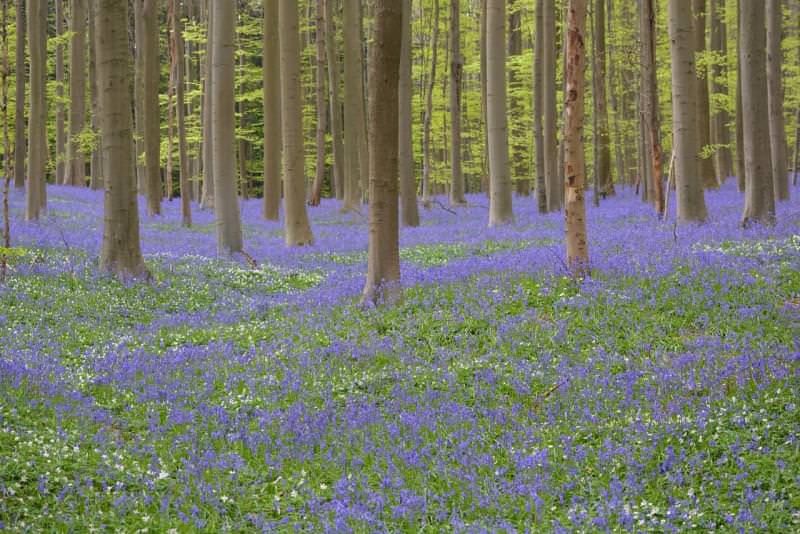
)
(705, 164)
(720, 134)
(777, 127)
(76, 167)
(19, 116)
(691, 201)
(353, 103)
(6, 142)
(322, 116)
(168, 169)
(151, 111)
(223, 69)
(334, 84)
(408, 186)
(485, 123)
(208, 113)
(741, 171)
(602, 166)
(574, 165)
(61, 130)
(619, 160)
(549, 105)
(759, 205)
(183, 156)
(383, 266)
(272, 112)
(650, 102)
(519, 148)
(426, 121)
(96, 173)
(500, 201)
(37, 118)
(297, 231)
(456, 74)
(242, 146)
(138, 91)
(121, 252)
(538, 111)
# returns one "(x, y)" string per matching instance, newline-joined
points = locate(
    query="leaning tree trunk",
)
(408, 187)
(550, 121)
(19, 116)
(353, 103)
(777, 127)
(37, 118)
(500, 200)
(223, 68)
(650, 102)
(334, 84)
(574, 165)
(183, 157)
(720, 134)
(538, 100)
(322, 116)
(689, 184)
(297, 231)
(702, 107)
(456, 74)
(121, 252)
(759, 204)
(383, 266)
(151, 112)
(76, 167)
(272, 112)
(427, 118)
(602, 168)
(61, 131)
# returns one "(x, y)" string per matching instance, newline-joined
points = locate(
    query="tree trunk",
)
(538, 102)
(552, 183)
(456, 74)
(484, 100)
(121, 252)
(151, 111)
(777, 127)
(222, 73)
(6, 180)
(96, 173)
(720, 134)
(138, 98)
(383, 266)
(183, 157)
(602, 162)
(426, 121)
(500, 202)
(650, 102)
(741, 171)
(168, 170)
(334, 85)
(353, 104)
(574, 165)
(408, 184)
(242, 145)
(37, 119)
(297, 231)
(272, 112)
(208, 113)
(519, 148)
(691, 201)
(322, 115)
(76, 167)
(759, 204)
(19, 116)
(61, 131)
(705, 164)
(619, 159)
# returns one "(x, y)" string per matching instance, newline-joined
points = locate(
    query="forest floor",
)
(660, 395)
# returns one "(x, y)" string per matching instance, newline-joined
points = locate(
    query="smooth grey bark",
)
(353, 105)
(151, 113)
(334, 85)
(138, 96)
(383, 265)
(19, 91)
(96, 164)
(619, 159)
(207, 199)
(61, 129)
(177, 49)
(538, 103)
(76, 161)
(500, 200)
(321, 105)
(272, 112)
(408, 185)
(777, 126)
(552, 183)
(689, 185)
(427, 188)
(720, 133)
(297, 230)
(650, 104)
(741, 171)
(759, 204)
(37, 117)
(519, 147)
(121, 251)
(602, 157)
(226, 200)
(702, 105)
(456, 75)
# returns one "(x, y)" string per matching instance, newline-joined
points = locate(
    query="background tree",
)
(177, 52)
(718, 73)
(121, 251)
(691, 202)
(647, 21)
(777, 125)
(19, 92)
(702, 106)
(151, 113)
(408, 187)
(383, 266)
(37, 114)
(272, 112)
(61, 129)
(456, 74)
(549, 106)
(427, 189)
(500, 207)
(538, 111)
(353, 104)
(334, 84)
(602, 158)
(297, 230)
(76, 164)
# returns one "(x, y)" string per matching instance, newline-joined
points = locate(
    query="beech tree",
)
(19, 95)
(272, 112)
(151, 117)
(500, 208)
(650, 102)
(408, 187)
(121, 251)
(61, 128)
(549, 121)
(353, 106)
(777, 125)
(37, 121)
(456, 73)
(76, 163)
